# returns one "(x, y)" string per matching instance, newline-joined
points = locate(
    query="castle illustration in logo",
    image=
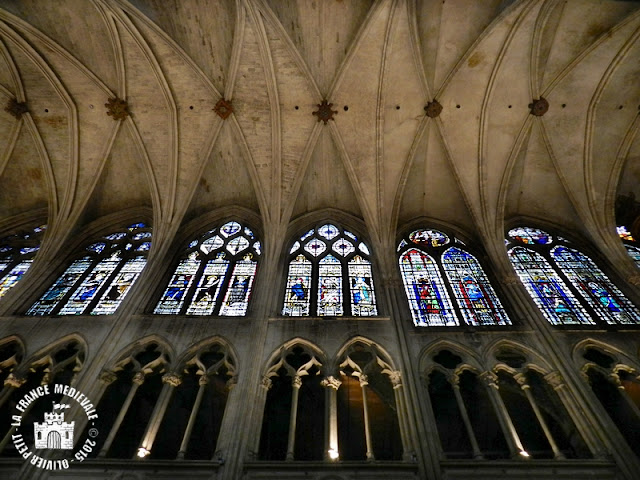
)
(54, 432)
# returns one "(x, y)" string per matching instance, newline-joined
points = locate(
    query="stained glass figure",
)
(595, 287)
(236, 300)
(428, 298)
(328, 276)
(98, 282)
(16, 256)
(530, 236)
(434, 238)
(635, 254)
(363, 298)
(330, 287)
(548, 291)
(215, 275)
(472, 290)
(297, 299)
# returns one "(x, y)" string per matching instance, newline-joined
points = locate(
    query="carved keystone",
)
(223, 108)
(324, 112)
(16, 108)
(539, 107)
(433, 109)
(117, 108)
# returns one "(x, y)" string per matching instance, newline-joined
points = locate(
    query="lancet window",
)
(215, 275)
(98, 281)
(435, 269)
(567, 286)
(16, 256)
(330, 274)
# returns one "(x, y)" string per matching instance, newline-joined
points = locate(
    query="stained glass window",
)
(16, 256)
(97, 282)
(567, 286)
(476, 298)
(630, 244)
(426, 260)
(635, 254)
(329, 274)
(215, 275)
(595, 287)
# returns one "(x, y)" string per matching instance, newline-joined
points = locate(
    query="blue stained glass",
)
(173, 297)
(471, 288)
(230, 228)
(635, 254)
(297, 298)
(39, 229)
(307, 235)
(193, 243)
(343, 247)
(330, 287)
(208, 290)
(116, 236)
(79, 300)
(624, 234)
(211, 244)
(328, 231)
(315, 247)
(248, 232)
(135, 226)
(236, 300)
(595, 287)
(363, 299)
(13, 277)
(351, 235)
(363, 248)
(3, 264)
(294, 247)
(26, 250)
(530, 236)
(401, 245)
(59, 289)
(433, 238)
(120, 286)
(96, 247)
(144, 247)
(141, 235)
(430, 304)
(5, 249)
(258, 248)
(548, 291)
(237, 245)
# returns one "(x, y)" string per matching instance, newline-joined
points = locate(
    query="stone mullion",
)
(265, 386)
(407, 444)
(455, 383)
(508, 428)
(170, 381)
(331, 417)
(524, 385)
(364, 381)
(295, 392)
(138, 379)
(202, 382)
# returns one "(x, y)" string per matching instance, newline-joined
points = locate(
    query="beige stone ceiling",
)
(484, 160)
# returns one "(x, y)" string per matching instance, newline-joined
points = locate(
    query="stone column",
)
(296, 383)
(203, 381)
(455, 383)
(407, 445)
(524, 385)
(138, 379)
(513, 440)
(615, 378)
(331, 444)
(170, 381)
(364, 381)
(228, 422)
(266, 385)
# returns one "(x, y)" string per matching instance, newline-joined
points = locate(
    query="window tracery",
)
(552, 271)
(215, 275)
(330, 274)
(97, 282)
(16, 256)
(630, 243)
(423, 256)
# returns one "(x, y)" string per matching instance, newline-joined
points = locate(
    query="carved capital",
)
(364, 380)
(555, 380)
(454, 380)
(172, 379)
(490, 379)
(521, 378)
(396, 379)
(138, 378)
(107, 377)
(615, 379)
(296, 381)
(266, 383)
(331, 382)
(203, 380)
(231, 383)
(13, 381)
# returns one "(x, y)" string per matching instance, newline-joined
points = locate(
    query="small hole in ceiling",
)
(190, 107)
(91, 107)
(564, 105)
(620, 107)
(296, 107)
(509, 106)
(397, 107)
(457, 106)
(46, 110)
(346, 107)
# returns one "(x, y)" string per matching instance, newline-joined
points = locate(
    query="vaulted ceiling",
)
(484, 159)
